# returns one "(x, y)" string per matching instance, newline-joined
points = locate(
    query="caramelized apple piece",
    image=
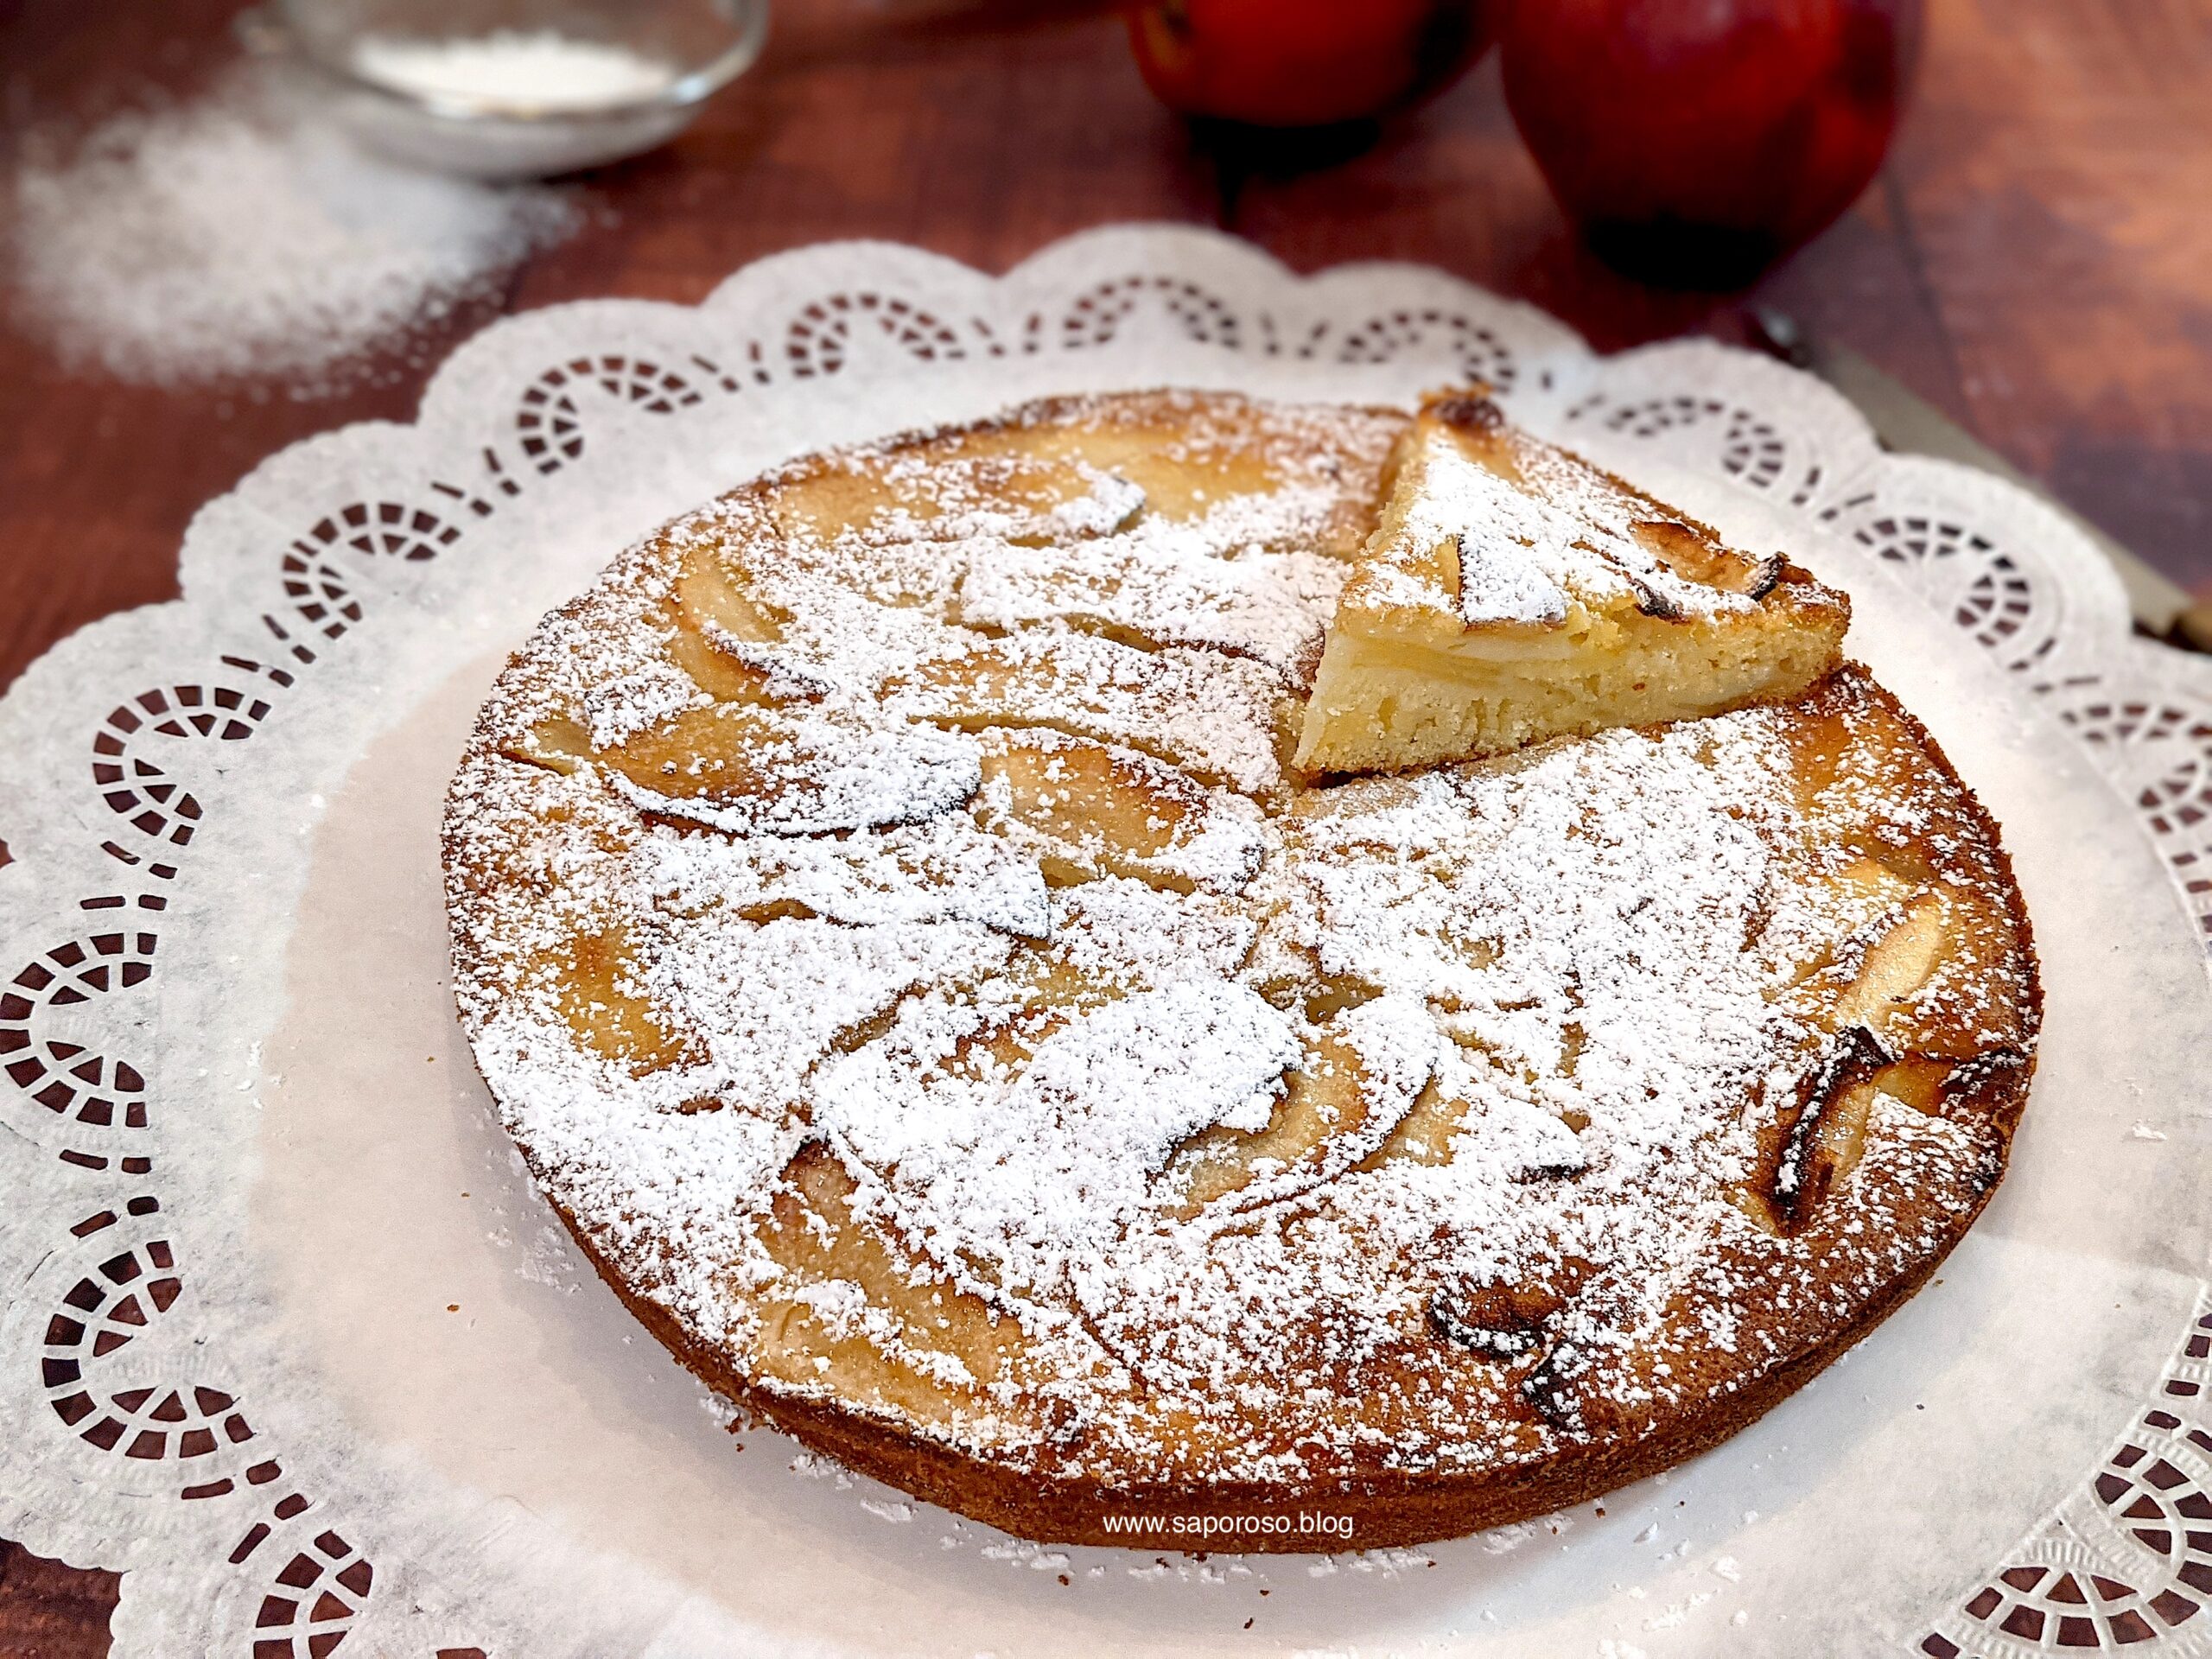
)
(1036, 993)
(1182, 479)
(1824, 1140)
(1693, 556)
(1424, 1136)
(1218, 718)
(1506, 1321)
(1089, 809)
(707, 594)
(556, 743)
(1897, 965)
(1321, 1096)
(1824, 1135)
(1353, 1089)
(812, 1233)
(1268, 606)
(1429, 1131)
(1918, 1080)
(609, 1017)
(710, 621)
(832, 501)
(722, 674)
(742, 767)
(1033, 994)
(1012, 482)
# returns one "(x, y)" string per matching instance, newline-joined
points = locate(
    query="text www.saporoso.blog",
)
(1215, 1528)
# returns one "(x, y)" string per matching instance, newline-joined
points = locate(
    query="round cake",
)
(889, 918)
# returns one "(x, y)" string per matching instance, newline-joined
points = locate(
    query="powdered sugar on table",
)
(243, 235)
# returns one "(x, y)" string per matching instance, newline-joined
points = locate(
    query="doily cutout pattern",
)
(136, 1409)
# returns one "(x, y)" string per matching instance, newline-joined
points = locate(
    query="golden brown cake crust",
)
(1495, 1268)
(1371, 1513)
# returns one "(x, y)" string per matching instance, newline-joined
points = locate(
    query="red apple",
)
(1302, 63)
(1696, 140)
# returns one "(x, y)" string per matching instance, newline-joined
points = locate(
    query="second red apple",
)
(1695, 140)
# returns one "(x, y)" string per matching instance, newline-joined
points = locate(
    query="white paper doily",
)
(219, 1375)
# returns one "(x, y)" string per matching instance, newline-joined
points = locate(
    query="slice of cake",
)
(1512, 592)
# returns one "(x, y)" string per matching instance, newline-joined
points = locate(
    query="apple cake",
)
(1514, 592)
(894, 924)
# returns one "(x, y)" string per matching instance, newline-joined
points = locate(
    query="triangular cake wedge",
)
(1513, 591)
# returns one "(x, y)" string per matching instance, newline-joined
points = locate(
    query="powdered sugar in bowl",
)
(518, 88)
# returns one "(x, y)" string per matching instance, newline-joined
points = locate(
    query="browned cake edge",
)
(1376, 1512)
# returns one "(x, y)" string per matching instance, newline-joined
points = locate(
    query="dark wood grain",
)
(2036, 260)
(48, 1611)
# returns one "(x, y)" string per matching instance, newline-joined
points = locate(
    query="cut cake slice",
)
(1513, 591)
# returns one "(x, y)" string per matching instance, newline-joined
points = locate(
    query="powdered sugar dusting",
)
(1180, 1102)
(243, 235)
(1524, 551)
(1040, 1171)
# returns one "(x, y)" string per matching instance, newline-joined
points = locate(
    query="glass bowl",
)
(506, 131)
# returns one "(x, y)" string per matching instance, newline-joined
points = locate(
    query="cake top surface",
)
(889, 925)
(1499, 530)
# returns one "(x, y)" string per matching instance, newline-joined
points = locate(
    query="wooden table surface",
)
(2035, 260)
